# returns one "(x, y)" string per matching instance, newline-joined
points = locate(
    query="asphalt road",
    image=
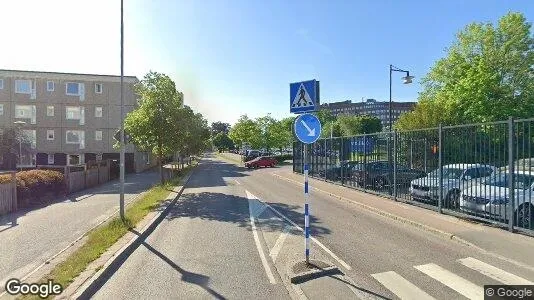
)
(30, 237)
(205, 248)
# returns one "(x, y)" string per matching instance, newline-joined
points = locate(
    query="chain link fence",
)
(482, 171)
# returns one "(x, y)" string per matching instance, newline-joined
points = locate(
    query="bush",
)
(36, 183)
(281, 158)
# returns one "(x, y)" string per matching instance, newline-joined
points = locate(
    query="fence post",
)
(511, 176)
(325, 159)
(15, 203)
(395, 165)
(364, 169)
(341, 157)
(440, 167)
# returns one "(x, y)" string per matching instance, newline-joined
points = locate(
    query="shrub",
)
(281, 158)
(36, 183)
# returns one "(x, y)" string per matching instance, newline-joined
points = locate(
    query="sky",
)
(235, 57)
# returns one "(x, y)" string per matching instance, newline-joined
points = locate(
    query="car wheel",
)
(524, 216)
(452, 200)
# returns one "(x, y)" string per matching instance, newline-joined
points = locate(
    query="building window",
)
(49, 111)
(98, 135)
(1, 84)
(1, 109)
(98, 112)
(72, 88)
(98, 88)
(99, 157)
(25, 112)
(75, 159)
(73, 112)
(50, 86)
(23, 86)
(50, 135)
(31, 137)
(74, 136)
(50, 159)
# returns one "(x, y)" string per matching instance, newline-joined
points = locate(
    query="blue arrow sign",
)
(303, 96)
(307, 128)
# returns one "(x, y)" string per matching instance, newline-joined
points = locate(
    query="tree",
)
(281, 133)
(219, 126)
(266, 125)
(353, 125)
(246, 131)
(11, 142)
(332, 128)
(222, 142)
(486, 76)
(156, 125)
(194, 134)
(325, 116)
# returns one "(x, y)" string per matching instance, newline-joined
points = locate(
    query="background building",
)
(379, 109)
(68, 118)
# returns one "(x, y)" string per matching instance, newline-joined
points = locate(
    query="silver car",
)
(456, 177)
(492, 198)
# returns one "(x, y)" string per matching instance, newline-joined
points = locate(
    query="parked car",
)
(251, 154)
(456, 177)
(262, 161)
(491, 198)
(379, 174)
(334, 173)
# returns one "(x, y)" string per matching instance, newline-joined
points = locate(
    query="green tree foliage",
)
(219, 126)
(281, 133)
(325, 116)
(486, 76)
(195, 133)
(353, 125)
(266, 124)
(222, 142)
(246, 131)
(331, 127)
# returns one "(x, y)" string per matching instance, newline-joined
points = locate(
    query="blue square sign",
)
(303, 96)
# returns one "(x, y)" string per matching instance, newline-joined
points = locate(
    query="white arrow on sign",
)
(311, 132)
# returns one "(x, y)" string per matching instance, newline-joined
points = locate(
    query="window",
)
(1, 84)
(50, 135)
(49, 111)
(99, 157)
(50, 86)
(74, 136)
(30, 136)
(98, 112)
(25, 112)
(23, 86)
(75, 159)
(50, 159)
(72, 88)
(98, 88)
(485, 172)
(74, 113)
(98, 135)
(1, 109)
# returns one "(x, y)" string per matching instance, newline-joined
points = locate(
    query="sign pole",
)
(306, 207)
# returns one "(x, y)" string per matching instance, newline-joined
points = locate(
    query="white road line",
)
(455, 282)
(278, 245)
(493, 272)
(237, 182)
(400, 286)
(339, 260)
(258, 245)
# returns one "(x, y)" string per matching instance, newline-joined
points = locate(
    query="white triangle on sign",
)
(302, 98)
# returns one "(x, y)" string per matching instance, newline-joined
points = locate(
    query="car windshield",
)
(521, 181)
(448, 173)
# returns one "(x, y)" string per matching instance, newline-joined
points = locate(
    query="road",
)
(205, 248)
(30, 237)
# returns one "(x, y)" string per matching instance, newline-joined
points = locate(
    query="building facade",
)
(379, 109)
(66, 118)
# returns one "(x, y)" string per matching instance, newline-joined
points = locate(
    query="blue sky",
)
(233, 57)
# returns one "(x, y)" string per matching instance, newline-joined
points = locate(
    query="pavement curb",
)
(91, 286)
(314, 274)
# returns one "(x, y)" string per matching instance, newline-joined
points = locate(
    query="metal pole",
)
(20, 149)
(121, 202)
(390, 128)
(511, 196)
(440, 168)
(395, 165)
(306, 208)
(325, 160)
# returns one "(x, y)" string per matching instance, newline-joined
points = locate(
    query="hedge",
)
(281, 158)
(36, 183)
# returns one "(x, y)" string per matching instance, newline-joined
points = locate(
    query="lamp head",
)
(407, 79)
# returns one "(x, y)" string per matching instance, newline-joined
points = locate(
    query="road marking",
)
(493, 272)
(400, 286)
(278, 245)
(237, 182)
(258, 244)
(339, 260)
(455, 282)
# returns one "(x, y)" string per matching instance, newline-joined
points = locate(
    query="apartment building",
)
(67, 118)
(379, 109)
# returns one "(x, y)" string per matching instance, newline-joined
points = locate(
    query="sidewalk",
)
(31, 237)
(498, 242)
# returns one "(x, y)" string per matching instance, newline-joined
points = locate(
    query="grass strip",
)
(103, 237)
(230, 158)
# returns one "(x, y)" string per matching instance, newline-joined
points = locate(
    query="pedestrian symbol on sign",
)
(302, 98)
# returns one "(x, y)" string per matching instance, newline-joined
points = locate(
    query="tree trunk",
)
(160, 158)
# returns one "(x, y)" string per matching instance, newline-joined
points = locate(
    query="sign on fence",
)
(362, 145)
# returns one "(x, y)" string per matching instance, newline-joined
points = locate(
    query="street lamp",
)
(122, 150)
(19, 125)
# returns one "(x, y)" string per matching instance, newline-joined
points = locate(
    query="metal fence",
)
(482, 171)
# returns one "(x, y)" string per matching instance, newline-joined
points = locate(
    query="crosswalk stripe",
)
(493, 272)
(400, 286)
(455, 282)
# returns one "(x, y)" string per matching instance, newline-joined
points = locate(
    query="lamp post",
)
(19, 125)
(121, 163)
(406, 80)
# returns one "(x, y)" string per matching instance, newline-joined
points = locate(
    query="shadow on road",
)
(378, 296)
(235, 209)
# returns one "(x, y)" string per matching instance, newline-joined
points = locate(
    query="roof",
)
(66, 76)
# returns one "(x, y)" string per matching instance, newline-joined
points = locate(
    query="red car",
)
(261, 161)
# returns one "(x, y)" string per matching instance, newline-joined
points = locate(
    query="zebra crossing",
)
(405, 289)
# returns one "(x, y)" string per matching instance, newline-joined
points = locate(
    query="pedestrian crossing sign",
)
(304, 96)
